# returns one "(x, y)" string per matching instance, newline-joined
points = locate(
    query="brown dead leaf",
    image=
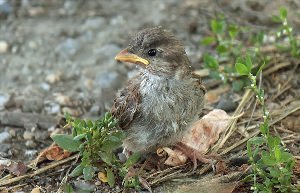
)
(201, 135)
(205, 132)
(16, 168)
(54, 152)
(176, 157)
(102, 177)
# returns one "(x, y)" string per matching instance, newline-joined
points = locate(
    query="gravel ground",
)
(58, 56)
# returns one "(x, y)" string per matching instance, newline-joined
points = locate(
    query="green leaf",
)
(67, 188)
(221, 49)
(79, 137)
(77, 171)
(277, 153)
(267, 159)
(283, 13)
(110, 177)
(111, 144)
(261, 68)
(241, 69)
(257, 141)
(263, 129)
(210, 61)
(285, 157)
(208, 40)
(106, 157)
(132, 159)
(276, 18)
(66, 142)
(233, 31)
(237, 85)
(248, 62)
(89, 123)
(88, 172)
(217, 26)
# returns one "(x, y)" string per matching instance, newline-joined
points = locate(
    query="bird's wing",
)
(126, 105)
(199, 84)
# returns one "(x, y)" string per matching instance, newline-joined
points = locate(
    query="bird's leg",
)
(195, 155)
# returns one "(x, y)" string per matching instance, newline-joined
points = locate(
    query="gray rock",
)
(95, 110)
(226, 103)
(4, 147)
(41, 135)
(52, 108)
(31, 153)
(68, 48)
(4, 98)
(82, 186)
(30, 144)
(33, 105)
(71, 6)
(27, 135)
(45, 86)
(4, 136)
(5, 7)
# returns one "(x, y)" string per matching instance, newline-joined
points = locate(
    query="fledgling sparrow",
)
(164, 98)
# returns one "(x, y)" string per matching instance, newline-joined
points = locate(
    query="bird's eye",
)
(152, 52)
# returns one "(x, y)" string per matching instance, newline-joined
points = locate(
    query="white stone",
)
(3, 47)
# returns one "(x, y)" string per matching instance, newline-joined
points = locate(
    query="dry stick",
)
(166, 177)
(37, 172)
(277, 67)
(237, 144)
(231, 127)
(64, 180)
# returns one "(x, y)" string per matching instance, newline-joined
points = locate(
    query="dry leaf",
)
(54, 152)
(102, 177)
(205, 132)
(16, 168)
(176, 157)
(200, 136)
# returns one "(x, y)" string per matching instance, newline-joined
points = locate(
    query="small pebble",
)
(53, 78)
(4, 148)
(30, 144)
(28, 135)
(4, 136)
(3, 47)
(31, 153)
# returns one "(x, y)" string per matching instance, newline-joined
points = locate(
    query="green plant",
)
(275, 164)
(286, 30)
(96, 141)
(227, 46)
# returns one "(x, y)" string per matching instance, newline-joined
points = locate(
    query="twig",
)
(37, 172)
(232, 125)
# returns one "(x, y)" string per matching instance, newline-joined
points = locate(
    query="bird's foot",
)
(196, 156)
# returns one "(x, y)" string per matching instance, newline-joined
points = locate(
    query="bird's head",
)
(157, 51)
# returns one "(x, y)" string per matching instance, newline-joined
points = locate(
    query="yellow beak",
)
(125, 56)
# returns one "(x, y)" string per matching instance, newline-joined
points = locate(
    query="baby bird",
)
(160, 102)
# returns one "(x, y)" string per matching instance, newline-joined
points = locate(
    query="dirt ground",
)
(57, 56)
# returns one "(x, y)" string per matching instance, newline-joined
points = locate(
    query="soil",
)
(57, 56)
